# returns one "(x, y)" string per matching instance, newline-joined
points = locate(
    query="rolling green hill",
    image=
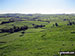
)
(40, 41)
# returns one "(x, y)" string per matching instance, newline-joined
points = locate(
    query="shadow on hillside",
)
(4, 35)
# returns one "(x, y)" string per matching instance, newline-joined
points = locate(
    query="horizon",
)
(37, 6)
(36, 13)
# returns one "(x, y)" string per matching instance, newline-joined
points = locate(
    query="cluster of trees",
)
(71, 23)
(9, 21)
(14, 29)
(43, 21)
(37, 26)
(56, 24)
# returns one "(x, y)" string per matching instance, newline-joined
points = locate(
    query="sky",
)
(37, 6)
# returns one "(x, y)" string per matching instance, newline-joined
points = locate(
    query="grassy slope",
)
(38, 42)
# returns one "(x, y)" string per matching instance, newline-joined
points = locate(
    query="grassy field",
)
(45, 41)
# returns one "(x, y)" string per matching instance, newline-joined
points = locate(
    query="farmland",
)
(36, 34)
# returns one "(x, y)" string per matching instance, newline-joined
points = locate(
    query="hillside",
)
(36, 34)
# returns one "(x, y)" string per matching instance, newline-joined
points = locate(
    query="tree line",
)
(9, 21)
(38, 26)
(14, 29)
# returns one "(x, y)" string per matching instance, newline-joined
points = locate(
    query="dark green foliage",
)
(37, 26)
(14, 29)
(71, 23)
(56, 24)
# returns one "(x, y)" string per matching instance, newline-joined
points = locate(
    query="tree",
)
(56, 24)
